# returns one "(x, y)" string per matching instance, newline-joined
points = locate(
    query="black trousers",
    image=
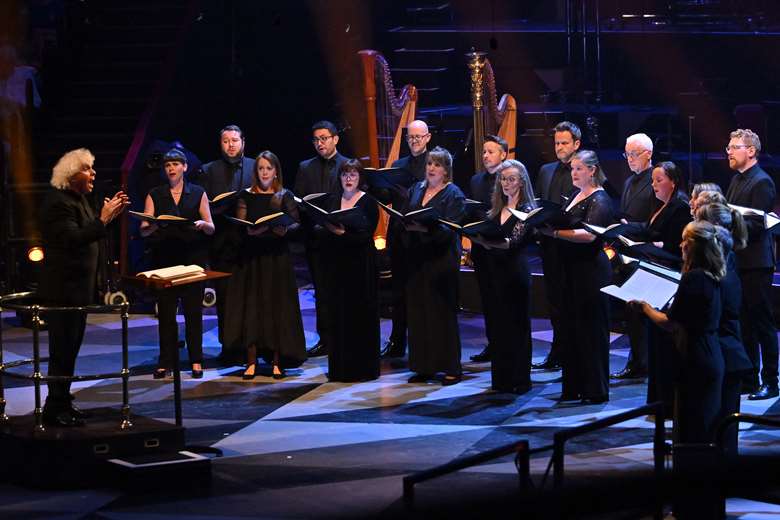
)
(191, 296)
(220, 290)
(487, 290)
(314, 259)
(638, 328)
(66, 332)
(399, 270)
(554, 287)
(758, 327)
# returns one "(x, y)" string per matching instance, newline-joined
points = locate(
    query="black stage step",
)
(77, 457)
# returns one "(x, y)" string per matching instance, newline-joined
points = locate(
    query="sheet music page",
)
(644, 286)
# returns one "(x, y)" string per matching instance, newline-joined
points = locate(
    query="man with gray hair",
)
(637, 204)
(751, 187)
(71, 232)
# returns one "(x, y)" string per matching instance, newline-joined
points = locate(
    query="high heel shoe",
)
(278, 373)
(197, 373)
(160, 373)
(246, 375)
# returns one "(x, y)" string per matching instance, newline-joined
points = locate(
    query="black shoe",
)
(594, 400)
(548, 364)
(483, 356)
(78, 413)
(630, 373)
(449, 380)
(61, 419)
(317, 350)
(197, 374)
(246, 376)
(393, 349)
(161, 373)
(418, 378)
(748, 388)
(281, 374)
(764, 392)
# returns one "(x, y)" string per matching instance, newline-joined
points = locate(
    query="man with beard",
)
(553, 184)
(751, 187)
(319, 175)
(231, 172)
(494, 151)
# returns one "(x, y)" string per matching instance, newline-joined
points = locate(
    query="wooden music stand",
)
(153, 284)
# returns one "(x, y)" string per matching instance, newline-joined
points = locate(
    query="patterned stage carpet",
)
(303, 447)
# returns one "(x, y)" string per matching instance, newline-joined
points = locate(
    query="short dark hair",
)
(500, 141)
(353, 165)
(231, 128)
(174, 155)
(325, 125)
(568, 126)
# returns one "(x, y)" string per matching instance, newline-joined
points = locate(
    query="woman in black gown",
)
(664, 230)
(433, 256)
(694, 320)
(263, 315)
(507, 265)
(586, 270)
(349, 258)
(733, 237)
(179, 244)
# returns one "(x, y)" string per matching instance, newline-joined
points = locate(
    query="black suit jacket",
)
(416, 169)
(311, 176)
(544, 180)
(754, 189)
(642, 203)
(70, 232)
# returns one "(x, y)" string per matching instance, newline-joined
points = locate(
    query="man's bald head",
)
(417, 137)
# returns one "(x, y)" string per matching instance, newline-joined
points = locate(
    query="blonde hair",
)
(747, 136)
(69, 165)
(710, 197)
(705, 251)
(499, 200)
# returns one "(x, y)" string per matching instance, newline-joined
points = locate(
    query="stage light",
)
(380, 243)
(35, 254)
(610, 252)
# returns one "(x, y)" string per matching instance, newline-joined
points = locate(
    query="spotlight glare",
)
(380, 243)
(35, 254)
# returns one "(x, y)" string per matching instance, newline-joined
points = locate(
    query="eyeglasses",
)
(632, 155)
(732, 147)
(415, 138)
(509, 180)
(321, 139)
(350, 175)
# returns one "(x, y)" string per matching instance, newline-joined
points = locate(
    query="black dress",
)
(262, 296)
(697, 308)
(736, 361)
(586, 309)
(351, 286)
(511, 342)
(432, 285)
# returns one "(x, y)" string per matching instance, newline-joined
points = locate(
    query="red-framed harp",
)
(388, 112)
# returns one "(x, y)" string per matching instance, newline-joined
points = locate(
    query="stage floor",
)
(303, 447)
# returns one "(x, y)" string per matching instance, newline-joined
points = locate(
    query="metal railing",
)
(12, 302)
(762, 420)
(523, 453)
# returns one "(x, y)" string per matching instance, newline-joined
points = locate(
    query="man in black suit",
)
(319, 175)
(231, 172)
(71, 233)
(494, 152)
(553, 183)
(637, 204)
(417, 137)
(751, 187)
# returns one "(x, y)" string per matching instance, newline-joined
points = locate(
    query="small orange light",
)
(380, 243)
(35, 254)
(610, 252)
